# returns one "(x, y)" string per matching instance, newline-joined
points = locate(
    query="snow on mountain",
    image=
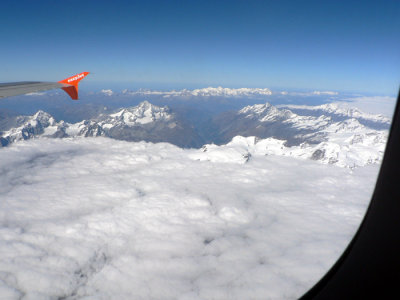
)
(206, 92)
(144, 113)
(41, 123)
(143, 122)
(309, 123)
(349, 144)
(225, 92)
(346, 143)
(220, 91)
(85, 128)
(116, 125)
(264, 112)
(341, 109)
(265, 120)
(268, 113)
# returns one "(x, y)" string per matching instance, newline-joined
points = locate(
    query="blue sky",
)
(334, 45)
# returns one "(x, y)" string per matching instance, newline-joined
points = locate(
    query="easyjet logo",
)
(76, 77)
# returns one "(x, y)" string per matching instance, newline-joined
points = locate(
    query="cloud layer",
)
(106, 219)
(374, 104)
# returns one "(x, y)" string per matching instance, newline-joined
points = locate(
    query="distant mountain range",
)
(217, 92)
(340, 113)
(327, 133)
(204, 92)
(143, 122)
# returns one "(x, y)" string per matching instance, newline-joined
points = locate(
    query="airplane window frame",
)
(369, 268)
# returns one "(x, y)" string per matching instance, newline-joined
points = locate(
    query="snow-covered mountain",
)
(27, 127)
(260, 129)
(263, 129)
(143, 122)
(341, 111)
(205, 92)
(144, 113)
(348, 144)
(310, 125)
(265, 120)
(264, 112)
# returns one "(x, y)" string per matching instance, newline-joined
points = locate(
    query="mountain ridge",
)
(265, 128)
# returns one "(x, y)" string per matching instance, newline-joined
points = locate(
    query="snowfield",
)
(96, 218)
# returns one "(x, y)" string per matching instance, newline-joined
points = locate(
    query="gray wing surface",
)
(25, 87)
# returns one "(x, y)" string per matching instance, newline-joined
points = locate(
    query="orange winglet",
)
(71, 84)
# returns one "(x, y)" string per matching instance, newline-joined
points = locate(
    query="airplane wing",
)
(69, 85)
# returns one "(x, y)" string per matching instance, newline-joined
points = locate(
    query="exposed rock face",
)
(257, 129)
(318, 154)
(145, 122)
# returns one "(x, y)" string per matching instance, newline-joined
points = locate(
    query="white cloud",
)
(308, 94)
(374, 104)
(107, 92)
(331, 93)
(109, 219)
(35, 94)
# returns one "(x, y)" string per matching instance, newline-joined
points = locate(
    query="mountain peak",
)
(342, 110)
(146, 105)
(264, 112)
(42, 117)
(143, 113)
(41, 114)
(349, 125)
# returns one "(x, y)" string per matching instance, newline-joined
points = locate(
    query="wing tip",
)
(72, 84)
